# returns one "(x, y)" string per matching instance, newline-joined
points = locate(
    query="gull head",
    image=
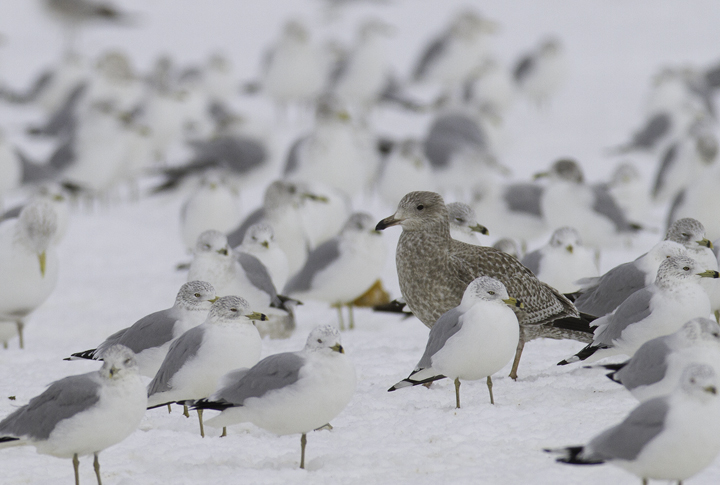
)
(418, 211)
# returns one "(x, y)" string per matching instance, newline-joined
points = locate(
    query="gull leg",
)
(516, 362)
(20, 327)
(717, 315)
(351, 317)
(457, 393)
(186, 413)
(644, 481)
(490, 384)
(96, 466)
(169, 408)
(202, 428)
(5, 345)
(76, 466)
(340, 317)
(303, 442)
(224, 433)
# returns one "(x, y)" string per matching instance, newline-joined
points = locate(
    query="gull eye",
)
(206, 246)
(127, 361)
(233, 309)
(319, 340)
(197, 295)
(684, 234)
(491, 292)
(686, 268)
(420, 207)
(459, 219)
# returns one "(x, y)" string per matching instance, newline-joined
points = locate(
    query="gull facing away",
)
(82, 414)
(656, 367)
(671, 437)
(195, 362)
(434, 271)
(472, 341)
(151, 336)
(291, 392)
(658, 309)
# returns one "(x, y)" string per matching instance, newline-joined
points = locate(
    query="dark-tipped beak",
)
(113, 370)
(257, 316)
(540, 175)
(338, 348)
(514, 302)
(223, 251)
(569, 248)
(705, 242)
(387, 222)
(710, 389)
(709, 274)
(480, 228)
(265, 244)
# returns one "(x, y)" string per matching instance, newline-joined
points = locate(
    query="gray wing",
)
(63, 399)
(64, 120)
(524, 67)
(235, 238)
(647, 366)
(292, 162)
(318, 259)
(668, 160)
(29, 96)
(237, 153)
(271, 373)
(532, 261)
(523, 198)
(182, 350)
(258, 275)
(434, 51)
(450, 133)
(13, 213)
(447, 325)
(655, 128)
(33, 172)
(153, 330)
(632, 310)
(63, 156)
(674, 207)
(606, 205)
(626, 440)
(611, 289)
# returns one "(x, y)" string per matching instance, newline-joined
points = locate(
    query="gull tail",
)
(614, 368)
(578, 324)
(415, 379)
(583, 354)
(86, 354)
(219, 405)
(572, 455)
(8, 441)
(394, 306)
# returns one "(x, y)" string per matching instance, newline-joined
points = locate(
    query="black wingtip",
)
(85, 354)
(572, 456)
(6, 439)
(216, 405)
(582, 355)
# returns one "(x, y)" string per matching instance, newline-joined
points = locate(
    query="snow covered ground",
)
(117, 262)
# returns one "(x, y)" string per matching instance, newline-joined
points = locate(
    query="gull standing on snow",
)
(151, 336)
(291, 392)
(474, 340)
(197, 359)
(463, 223)
(343, 268)
(82, 414)
(656, 367)
(671, 437)
(562, 261)
(28, 262)
(260, 242)
(434, 271)
(658, 309)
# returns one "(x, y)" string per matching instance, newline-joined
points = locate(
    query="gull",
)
(197, 359)
(683, 165)
(259, 241)
(629, 190)
(343, 268)
(237, 273)
(509, 246)
(291, 392)
(151, 336)
(603, 294)
(82, 414)
(698, 200)
(434, 271)
(28, 262)
(539, 73)
(656, 367)
(405, 169)
(658, 309)
(473, 340)
(672, 437)
(463, 223)
(562, 261)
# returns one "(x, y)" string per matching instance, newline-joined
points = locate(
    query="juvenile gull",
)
(656, 367)
(82, 414)
(434, 271)
(672, 437)
(562, 261)
(471, 341)
(658, 309)
(151, 336)
(198, 358)
(463, 223)
(291, 392)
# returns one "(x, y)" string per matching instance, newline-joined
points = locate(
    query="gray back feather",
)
(656, 127)
(235, 238)
(237, 153)
(153, 330)
(606, 205)
(318, 259)
(273, 372)
(647, 366)
(612, 288)
(668, 160)
(63, 399)
(432, 53)
(626, 440)
(632, 310)
(181, 350)
(292, 162)
(258, 275)
(532, 261)
(449, 134)
(523, 68)
(523, 198)
(674, 207)
(447, 325)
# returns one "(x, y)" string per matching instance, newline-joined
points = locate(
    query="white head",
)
(119, 361)
(462, 218)
(196, 296)
(699, 380)
(681, 268)
(700, 330)
(688, 232)
(213, 242)
(567, 238)
(486, 288)
(324, 338)
(359, 222)
(259, 235)
(230, 310)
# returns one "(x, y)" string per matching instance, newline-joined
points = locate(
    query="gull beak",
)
(113, 370)
(480, 228)
(42, 258)
(316, 198)
(514, 302)
(711, 389)
(709, 274)
(257, 316)
(223, 251)
(265, 244)
(387, 222)
(540, 175)
(214, 299)
(705, 242)
(569, 248)
(338, 348)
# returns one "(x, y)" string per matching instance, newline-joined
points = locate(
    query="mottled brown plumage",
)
(434, 271)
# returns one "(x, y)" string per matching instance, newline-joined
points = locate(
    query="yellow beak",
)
(42, 258)
(257, 316)
(338, 348)
(705, 242)
(514, 302)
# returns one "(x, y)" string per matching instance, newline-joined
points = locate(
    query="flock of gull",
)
(118, 133)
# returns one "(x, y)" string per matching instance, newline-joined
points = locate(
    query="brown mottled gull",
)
(434, 270)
